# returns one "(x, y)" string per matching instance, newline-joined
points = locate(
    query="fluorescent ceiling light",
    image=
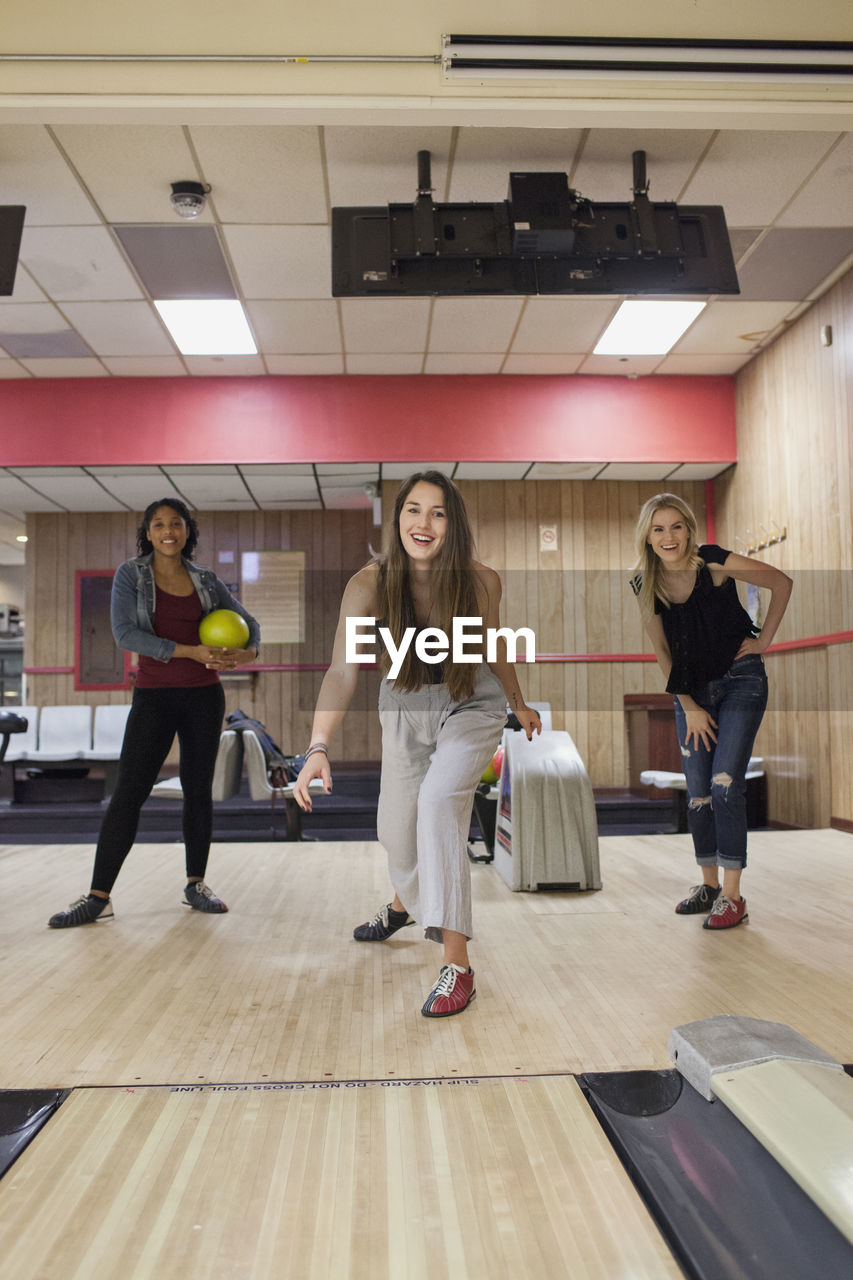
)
(201, 327)
(646, 328)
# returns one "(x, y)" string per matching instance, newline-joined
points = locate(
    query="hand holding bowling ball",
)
(224, 629)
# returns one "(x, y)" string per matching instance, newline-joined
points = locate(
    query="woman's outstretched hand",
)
(528, 719)
(317, 766)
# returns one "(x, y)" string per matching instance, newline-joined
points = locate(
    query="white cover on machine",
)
(546, 832)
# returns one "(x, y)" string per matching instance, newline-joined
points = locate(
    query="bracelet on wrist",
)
(314, 748)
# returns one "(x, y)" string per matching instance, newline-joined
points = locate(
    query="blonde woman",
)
(441, 722)
(710, 653)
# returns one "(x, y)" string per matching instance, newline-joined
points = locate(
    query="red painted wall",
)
(121, 421)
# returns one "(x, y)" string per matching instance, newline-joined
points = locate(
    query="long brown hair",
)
(455, 588)
(649, 579)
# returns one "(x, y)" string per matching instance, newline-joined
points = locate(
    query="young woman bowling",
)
(440, 723)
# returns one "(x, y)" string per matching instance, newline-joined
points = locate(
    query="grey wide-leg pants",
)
(434, 752)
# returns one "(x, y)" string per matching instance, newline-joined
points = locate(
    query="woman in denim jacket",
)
(157, 603)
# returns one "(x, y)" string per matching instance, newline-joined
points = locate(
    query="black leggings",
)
(156, 715)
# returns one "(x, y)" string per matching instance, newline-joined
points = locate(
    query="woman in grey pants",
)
(442, 709)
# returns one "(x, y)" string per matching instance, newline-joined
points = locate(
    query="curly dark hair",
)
(144, 543)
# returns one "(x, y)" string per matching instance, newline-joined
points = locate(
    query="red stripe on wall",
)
(151, 421)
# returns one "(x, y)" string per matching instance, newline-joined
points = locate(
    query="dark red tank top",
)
(175, 618)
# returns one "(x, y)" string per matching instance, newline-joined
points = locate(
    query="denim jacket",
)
(132, 606)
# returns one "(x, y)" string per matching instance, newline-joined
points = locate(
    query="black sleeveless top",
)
(706, 631)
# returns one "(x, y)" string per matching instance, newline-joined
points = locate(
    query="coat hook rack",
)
(767, 538)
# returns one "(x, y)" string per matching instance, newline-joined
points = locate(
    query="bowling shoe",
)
(699, 900)
(384, 923)
(86, 910)
(725, 913)
(201, 897)
(453, 992)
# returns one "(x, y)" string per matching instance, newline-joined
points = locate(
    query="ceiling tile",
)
(827, 198)
(391, 365)
(638, 470)
(66, 343)
(374, 325)
(263, 173)
(702, 364)
(69, 487)
(77, 263)
(491, 470)
(209, 487)
(304, 366)
(119, 328)
(518, 363)
(345, 472)
(26, 289)
(178, 262)
(791, 262)
(732, 327)
(59, 368)
(402, 470)
(699, 470)
(564, 470)
(224, 366)
(621, 366)
(484, 159)
(605, 168)
(129, 168)
(753, 174)
(133, 486)
(281, 262)
(463, 324)
(296, 327)
(30, 317)
(36, 175)
(11, 369)
(450, 363)
(379, 166)
(555, 326)
(349, 498)
(145, 366)
(281, 488)
(17, 496)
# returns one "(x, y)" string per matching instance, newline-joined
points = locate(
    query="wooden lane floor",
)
(470, 1179)
(277, 990)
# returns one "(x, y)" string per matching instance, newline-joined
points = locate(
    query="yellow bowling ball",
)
(223, 629)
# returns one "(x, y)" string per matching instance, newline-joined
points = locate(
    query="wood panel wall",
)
(335, 543)
(576, 598)
(795, 466)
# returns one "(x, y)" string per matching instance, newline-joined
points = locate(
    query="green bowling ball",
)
(223, 629)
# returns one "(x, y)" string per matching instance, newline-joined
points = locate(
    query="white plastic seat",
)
(108, 733)
(64, 733)
(23, 745)
(226, 772)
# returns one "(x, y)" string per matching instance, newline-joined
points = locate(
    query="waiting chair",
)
(260, 787)
(65, 733)
(226, 772)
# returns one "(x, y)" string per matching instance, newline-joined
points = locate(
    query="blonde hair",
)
(648, 581)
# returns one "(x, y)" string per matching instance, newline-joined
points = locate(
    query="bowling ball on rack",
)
(492, 771)
(223, 629)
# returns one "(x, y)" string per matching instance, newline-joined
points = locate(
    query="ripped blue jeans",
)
(716, 779)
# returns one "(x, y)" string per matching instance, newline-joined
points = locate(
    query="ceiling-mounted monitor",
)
(544, 239)
(11, 229)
